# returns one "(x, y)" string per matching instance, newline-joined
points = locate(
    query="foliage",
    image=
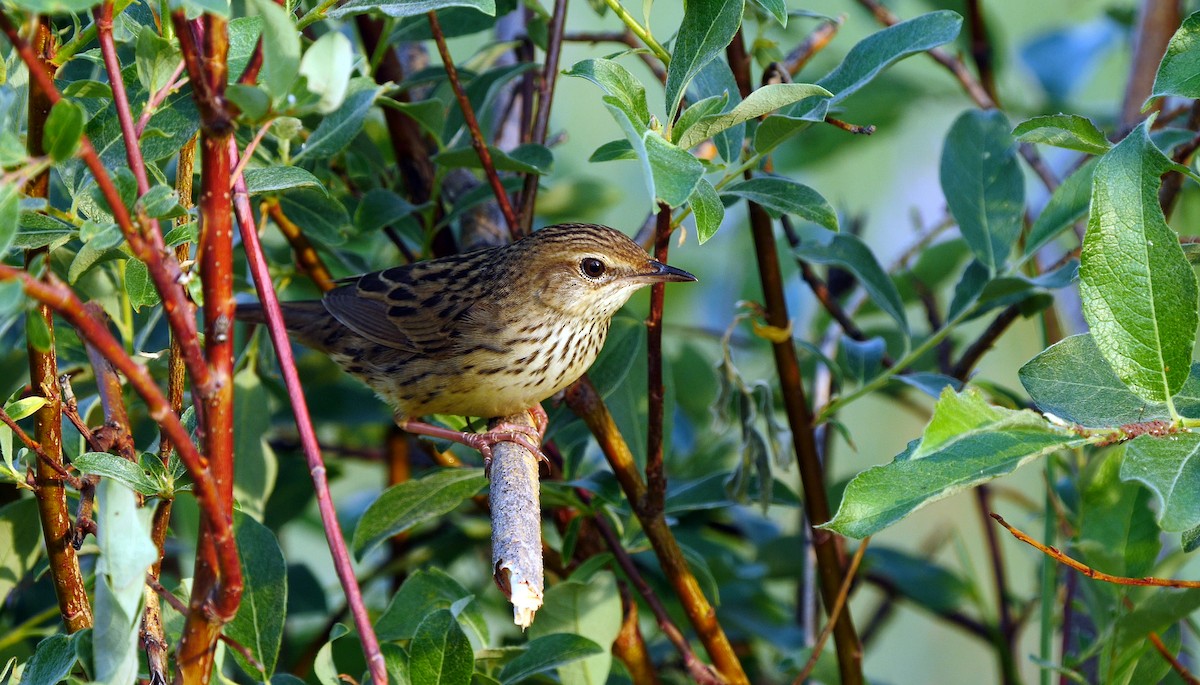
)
(671, 493)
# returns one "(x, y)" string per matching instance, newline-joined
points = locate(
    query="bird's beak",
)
(657, 272)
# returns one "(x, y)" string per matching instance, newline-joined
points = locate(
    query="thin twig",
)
(308, 438)
(812, 44)
(477, 141)
(656, 480)
(302, 249)
(178, 605)
(835, 612)
(1090, 572)
(545, 98)
(1176, 664)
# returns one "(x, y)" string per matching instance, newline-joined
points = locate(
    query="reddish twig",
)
(179, 606)
(1176, 664)
(477, 141)
(55, 294)
(1156, 23)
(308, 438)
(656, 479)
(981, 47)
(1090, 572)
(173, 84)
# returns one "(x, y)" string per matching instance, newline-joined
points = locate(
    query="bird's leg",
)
(525, 436)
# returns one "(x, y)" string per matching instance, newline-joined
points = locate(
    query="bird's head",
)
(589, 271)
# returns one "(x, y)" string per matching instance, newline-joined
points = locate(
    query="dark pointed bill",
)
(657, 272)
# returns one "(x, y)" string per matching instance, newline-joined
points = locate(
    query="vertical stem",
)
(477, 141)
(656, 481)
(541, 122)
(800, 420)
(1157, 21)
(49, 487)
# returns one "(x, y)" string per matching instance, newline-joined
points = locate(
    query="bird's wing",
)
(418, 308)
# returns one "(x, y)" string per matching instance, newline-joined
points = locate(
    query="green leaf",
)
(24, 407)
(617, 81)
(1138, 290)
(920, 580)
(849, 252)
(1067, 204)
(323, 666)
(612, 151)
(708, 26)
(708, 209)
(762, 101)
(64, 128)
(256, 468)
(776, 8)
(410, 8)
(440, 653)
(280, 47)
(155, 58)
(422, 593)
(1072, 380)
(984, 185)
(162, 202)
(277, 179)
(126, 553)
(338, 128)
(117, 468)
(402, 506)
(138, 285)
(20, 543)
(547, 653)
(326, 68)
(1170, 467)
(324, 219)
(1179, 70)
(861, 65)
(591, 610)
(1116, 528)
(968, 442)
(636, 141)
(780, 196)
(51, 662)
(709, 106)
(380, 208)
(530, 158)
(10, 212)
(258, 625)
(1069, 131)
(35, 230)
(676, 172)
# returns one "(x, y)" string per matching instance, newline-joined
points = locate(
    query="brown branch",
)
(835, 613)
(856, 129)
(50, 474)
(811, 45)
(697, 669)
(1172, 182)
(626, 38)
(545, 98)
(1176, 664)
(583, 399)
(812, 475)
(1090, 572)
(971, 356)
(1157, 21)
(630, 646)
(158, 590)
(981, 47)
(477, 141)
(306, 255)
(656, 479)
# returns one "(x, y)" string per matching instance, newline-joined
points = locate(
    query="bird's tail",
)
(308, 322)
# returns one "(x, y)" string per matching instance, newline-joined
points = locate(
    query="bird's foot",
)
(526, 436)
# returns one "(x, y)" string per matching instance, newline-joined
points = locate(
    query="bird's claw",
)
(524, 436)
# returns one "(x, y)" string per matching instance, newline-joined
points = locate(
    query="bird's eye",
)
(592, 267)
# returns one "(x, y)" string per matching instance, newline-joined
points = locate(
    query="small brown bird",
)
(488, 333)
